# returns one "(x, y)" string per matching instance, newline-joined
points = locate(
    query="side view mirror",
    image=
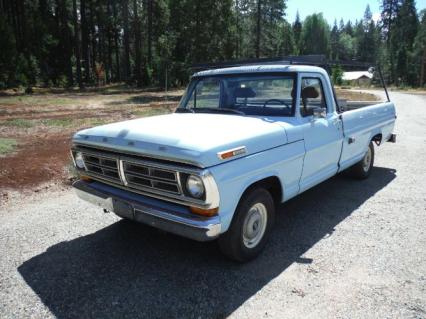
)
(319, 112)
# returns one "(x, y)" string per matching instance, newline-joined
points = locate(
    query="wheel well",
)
(377, 139)
(272, 185)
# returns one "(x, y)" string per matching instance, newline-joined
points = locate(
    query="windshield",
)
(256, 94)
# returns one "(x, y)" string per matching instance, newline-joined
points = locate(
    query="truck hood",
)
(190, 138)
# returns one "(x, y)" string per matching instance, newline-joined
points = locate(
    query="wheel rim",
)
(367, 160)
(255, 225)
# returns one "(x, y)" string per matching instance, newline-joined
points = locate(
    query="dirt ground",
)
(42, 125)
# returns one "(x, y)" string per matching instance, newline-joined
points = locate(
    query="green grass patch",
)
(31, 100)
(151, 112)
(97, 122)
(7, 145)
(18, 123)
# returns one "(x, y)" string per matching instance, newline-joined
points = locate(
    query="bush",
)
(337, 75)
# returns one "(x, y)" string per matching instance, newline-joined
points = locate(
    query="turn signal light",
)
(204, 212)
(227, 155)
(86, 178)
(231, 153)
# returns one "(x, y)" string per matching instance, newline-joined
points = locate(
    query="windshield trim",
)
(196, 79)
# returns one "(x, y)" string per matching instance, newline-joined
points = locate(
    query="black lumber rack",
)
(312, 60)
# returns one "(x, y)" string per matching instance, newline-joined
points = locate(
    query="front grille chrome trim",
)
(148, 176)
(94, 163)
(121, 172)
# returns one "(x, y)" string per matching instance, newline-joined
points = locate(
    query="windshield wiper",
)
(217, 110)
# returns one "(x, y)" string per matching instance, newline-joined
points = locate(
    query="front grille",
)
(145, 176)
(102, 166)
(132, 173)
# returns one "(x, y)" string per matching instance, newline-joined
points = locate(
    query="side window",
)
(311, 96)
(205, 94)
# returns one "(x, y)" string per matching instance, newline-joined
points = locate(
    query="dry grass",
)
(352, 95)
(7, 145)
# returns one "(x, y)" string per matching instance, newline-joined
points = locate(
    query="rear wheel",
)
(362, 169)
(250, 227)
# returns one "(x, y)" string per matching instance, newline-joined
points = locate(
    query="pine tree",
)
(315, 35)
(297, 31)
(389, 13)
(367, 39)
(334, 41)
(402, 40)
(349, 28)
(419, 47)
(342, 25)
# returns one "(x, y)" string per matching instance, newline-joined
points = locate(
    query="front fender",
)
(234, 177)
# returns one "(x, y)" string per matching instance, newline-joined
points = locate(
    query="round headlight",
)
(195, 186)
(79, 161)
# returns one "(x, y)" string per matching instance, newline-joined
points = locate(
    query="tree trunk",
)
(109, 39)
(150, 13)
(137, 31)
(15, 22)
(116, 44)
(77, 44)
(259, 7)
(237, 22)
(101, 42)
(422, 70)
(85, 41)
(65, 40)
(197, 31)
(93, 37)
(125, 5)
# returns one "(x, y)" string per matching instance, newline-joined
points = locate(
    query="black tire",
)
(234, 244)
(361, 170)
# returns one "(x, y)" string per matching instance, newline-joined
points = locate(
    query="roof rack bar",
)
(314, 60)
(305, 59)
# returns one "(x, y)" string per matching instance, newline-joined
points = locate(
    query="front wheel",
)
(250, 226)
(362, 169)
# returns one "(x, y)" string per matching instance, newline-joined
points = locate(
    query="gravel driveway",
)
(345, 249)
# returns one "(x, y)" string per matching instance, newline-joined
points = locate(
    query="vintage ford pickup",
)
(242, 140)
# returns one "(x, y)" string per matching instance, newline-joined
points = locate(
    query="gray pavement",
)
(345, 249)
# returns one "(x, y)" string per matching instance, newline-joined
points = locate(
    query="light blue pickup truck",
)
(242, 140)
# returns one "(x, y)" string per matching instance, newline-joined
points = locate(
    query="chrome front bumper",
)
(186, 225)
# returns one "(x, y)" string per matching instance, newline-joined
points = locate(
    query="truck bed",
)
(361, 123)
(346, 105)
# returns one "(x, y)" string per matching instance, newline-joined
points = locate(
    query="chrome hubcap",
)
(367, 160)
(255, 225)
